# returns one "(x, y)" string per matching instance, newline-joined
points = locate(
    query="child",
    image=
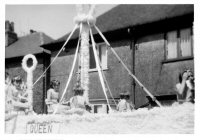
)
(185, 87)
(127, 98)
(8, 93)
(19, 102)
(52, 96)
(52, 100)
(78, 101)
(7, 81)
(123, 105)
(20, 93)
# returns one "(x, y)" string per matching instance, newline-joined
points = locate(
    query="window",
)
(179, 44)
(172, 45)
(185, 42)
(102, 53)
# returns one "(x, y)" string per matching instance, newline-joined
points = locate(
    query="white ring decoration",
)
(24, 63)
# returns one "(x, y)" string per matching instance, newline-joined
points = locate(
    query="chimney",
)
(10, 35)
(32, 31)
(7, 24)
(12, 27)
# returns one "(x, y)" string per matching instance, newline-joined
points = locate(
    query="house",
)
(154, 41)
(16, 48)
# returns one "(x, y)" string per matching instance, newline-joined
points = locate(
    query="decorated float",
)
(160, 119)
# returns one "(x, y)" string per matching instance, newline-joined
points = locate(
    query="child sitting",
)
(127, 98)
(52, 96)
(20, 91)
(52, 100)
(19, 101)
(123, 105)
(78, 101)
(8, 93)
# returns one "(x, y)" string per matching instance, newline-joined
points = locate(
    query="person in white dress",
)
(8, 90)
(52, 96)
(123, 105)
(78, 100)
(52, 99)
(16, 97)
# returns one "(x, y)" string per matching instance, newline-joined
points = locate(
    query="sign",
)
(42, 127)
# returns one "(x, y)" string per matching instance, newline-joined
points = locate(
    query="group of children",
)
(16, 97)
(78, 100)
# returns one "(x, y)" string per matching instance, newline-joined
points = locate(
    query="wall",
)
(14, 68)
(159, 79)
(61, 68)
(117, 77)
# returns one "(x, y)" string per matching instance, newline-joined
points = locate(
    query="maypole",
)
(85, 19)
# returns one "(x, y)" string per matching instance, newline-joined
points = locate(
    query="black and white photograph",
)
(100, 68)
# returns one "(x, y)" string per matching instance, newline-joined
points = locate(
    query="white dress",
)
(13, 99)
(52, 100)
(78, 102)
(123, 106)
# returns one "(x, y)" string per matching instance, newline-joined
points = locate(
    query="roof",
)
(27, 44)
(129, 15)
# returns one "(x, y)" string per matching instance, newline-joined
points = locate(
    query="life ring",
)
(24, 63)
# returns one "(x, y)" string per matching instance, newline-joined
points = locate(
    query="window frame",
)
(179, 56)
(106, 66)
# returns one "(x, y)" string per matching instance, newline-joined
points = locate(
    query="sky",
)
(53, 20)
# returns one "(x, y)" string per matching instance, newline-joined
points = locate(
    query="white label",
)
(42, 127)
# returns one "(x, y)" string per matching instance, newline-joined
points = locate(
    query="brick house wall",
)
(117, 77)
(159, 78)
(142, 49)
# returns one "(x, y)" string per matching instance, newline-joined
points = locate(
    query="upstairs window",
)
(102, 53)
(185, 42)
(172, 47)
(179, 44)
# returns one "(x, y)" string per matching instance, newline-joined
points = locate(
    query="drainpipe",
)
(44, 84)
(46, 79)
(132, 46)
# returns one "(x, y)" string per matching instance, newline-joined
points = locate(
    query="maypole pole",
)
(85, 19)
